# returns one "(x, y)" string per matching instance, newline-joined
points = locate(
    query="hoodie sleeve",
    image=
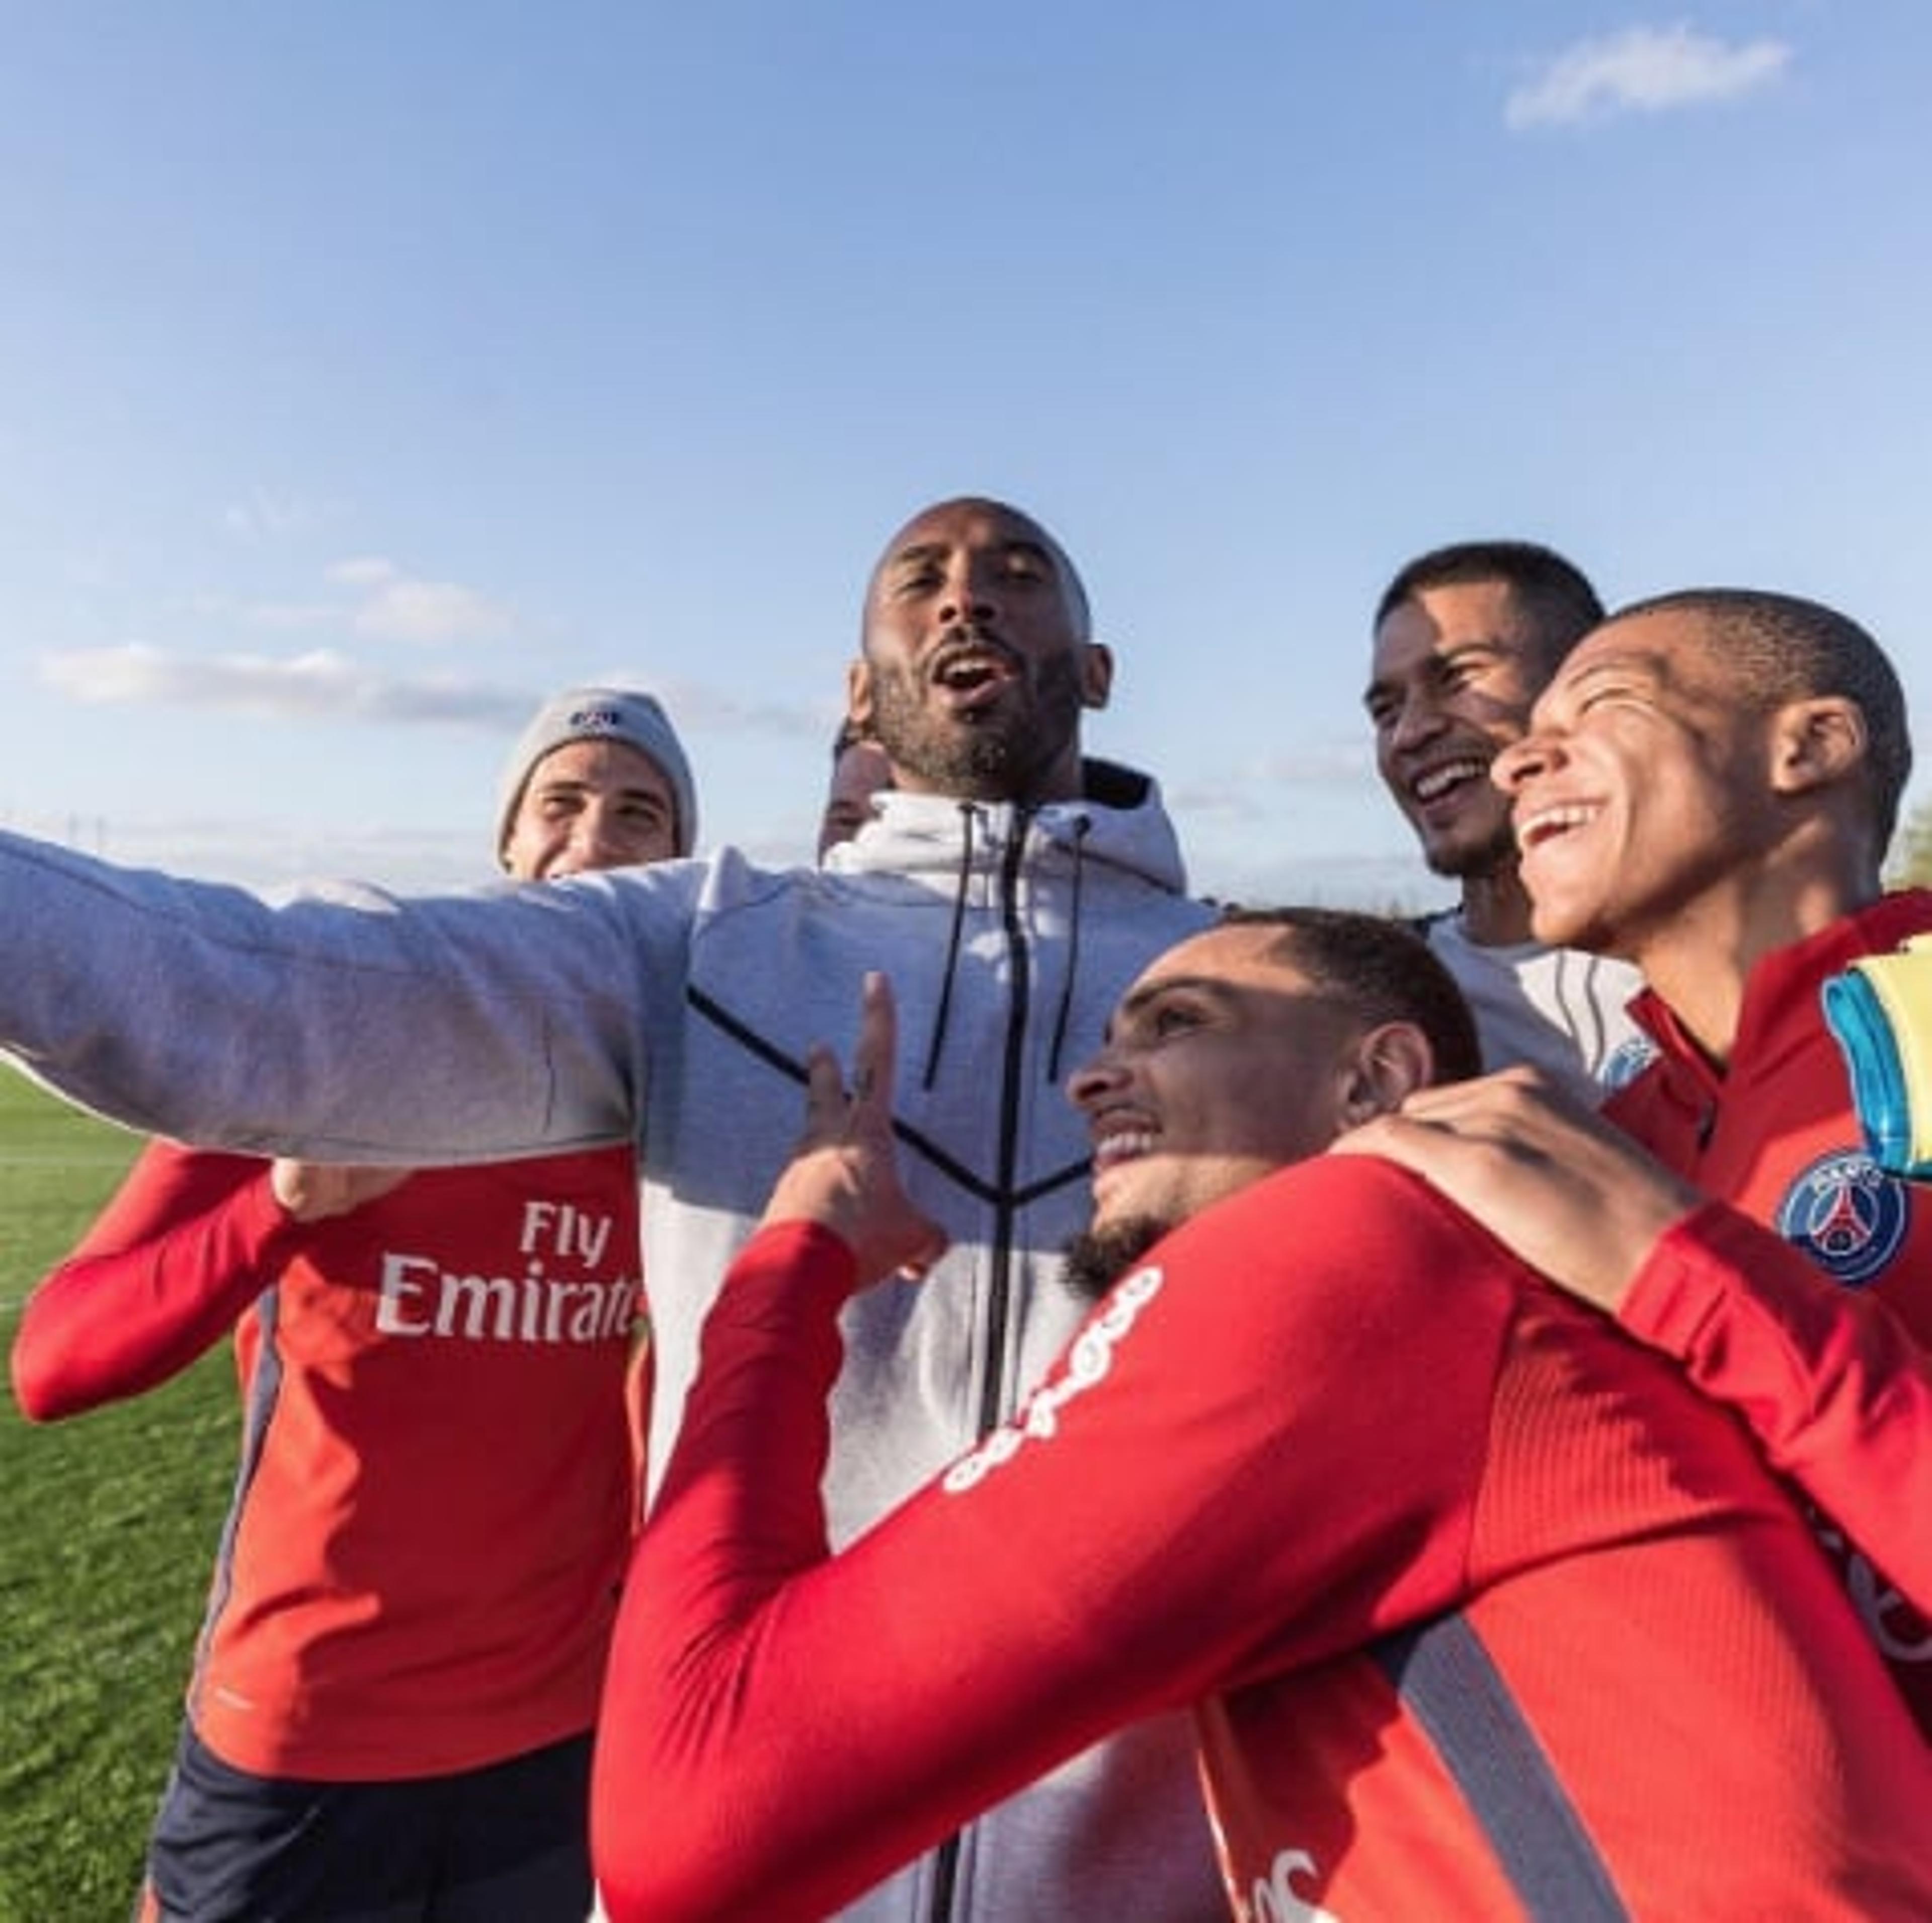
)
(340, 1024)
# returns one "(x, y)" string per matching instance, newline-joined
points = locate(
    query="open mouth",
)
(1122, 1144)
(1446, 778)
(974, 670)
(1115, 1150)
(1540, 826)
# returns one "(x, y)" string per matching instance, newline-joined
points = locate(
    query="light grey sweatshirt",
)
(676, 1004)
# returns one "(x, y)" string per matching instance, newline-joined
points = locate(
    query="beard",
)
(1096, 1259)
(1000, 755)
(1477, 862)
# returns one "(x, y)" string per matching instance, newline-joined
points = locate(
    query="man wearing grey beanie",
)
(393, 1692)
(1011, 886)
(581, 719)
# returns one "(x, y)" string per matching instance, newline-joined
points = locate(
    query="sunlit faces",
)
(1644, 788)
(591, 804)
(1223, 1063)
(1456, 671)
(976, 661)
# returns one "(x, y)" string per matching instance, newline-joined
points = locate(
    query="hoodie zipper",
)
(999, 1298)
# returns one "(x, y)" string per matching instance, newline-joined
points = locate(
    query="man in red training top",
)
(1707, 789)
(1484, 1614)
(390, 1707)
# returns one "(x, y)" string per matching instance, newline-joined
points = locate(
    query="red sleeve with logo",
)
(1774, 1133)
(1273, 1444)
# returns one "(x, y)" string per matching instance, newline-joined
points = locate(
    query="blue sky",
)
(367, 371)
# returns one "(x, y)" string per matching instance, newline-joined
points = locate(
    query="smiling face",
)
(1645, 794)
(1456, 668)
(1223, 1062)
(591, 804)
(976, 661)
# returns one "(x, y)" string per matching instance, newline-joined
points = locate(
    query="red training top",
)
(417, 1575)
(1774, 1131)
(1488, 1613)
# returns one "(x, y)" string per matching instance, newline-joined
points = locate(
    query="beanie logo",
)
(1847, 1214)
(607, 720)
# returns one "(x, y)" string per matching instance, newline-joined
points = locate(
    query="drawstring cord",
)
(1082, 826)
(945, 1009)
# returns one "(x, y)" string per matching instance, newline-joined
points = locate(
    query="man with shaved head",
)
(1013, 886)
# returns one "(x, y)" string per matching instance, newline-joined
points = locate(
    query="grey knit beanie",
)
(601, 714)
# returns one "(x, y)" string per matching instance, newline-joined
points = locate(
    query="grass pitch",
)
(111, 1525)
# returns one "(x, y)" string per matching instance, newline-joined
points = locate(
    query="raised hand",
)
(845, 1172)
(1568, 1193)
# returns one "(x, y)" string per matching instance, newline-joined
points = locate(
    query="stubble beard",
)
(1495, 856)
(1096, 1259)
(999, 757)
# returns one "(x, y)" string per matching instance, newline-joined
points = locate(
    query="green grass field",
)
(112, 1519)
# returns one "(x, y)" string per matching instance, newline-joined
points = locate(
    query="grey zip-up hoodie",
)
(676, 1003)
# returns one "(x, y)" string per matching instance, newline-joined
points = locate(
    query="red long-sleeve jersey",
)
(417, 1574)
(1488, 1613)
(1836, 1391)
(1774, 1132)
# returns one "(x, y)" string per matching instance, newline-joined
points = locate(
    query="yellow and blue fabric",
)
(1880, 1011)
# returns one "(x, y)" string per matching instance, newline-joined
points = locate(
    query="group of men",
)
(1468, 1603)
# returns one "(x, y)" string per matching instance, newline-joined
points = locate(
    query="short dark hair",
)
(1555, 593)
(1779, 648)
(1380, 968)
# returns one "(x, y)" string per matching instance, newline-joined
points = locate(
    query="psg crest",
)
(1847, 1214)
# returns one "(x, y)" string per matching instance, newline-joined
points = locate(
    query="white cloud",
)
(320, 685)
(431, 612)
(1643, 70)
(396, 607)
(326, 685)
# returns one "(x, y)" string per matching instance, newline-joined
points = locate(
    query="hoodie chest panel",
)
(986, 1122)
(992, 1147)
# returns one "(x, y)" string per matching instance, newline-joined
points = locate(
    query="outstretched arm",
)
(1834, 1387)
(340, 1022)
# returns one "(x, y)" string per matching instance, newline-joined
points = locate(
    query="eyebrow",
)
(575, 784)
(920, 552)
(1437, 660)
(1630, 666)
(1137, 1001)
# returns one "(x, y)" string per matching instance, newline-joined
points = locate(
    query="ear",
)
(858, 693)
(1816, 742)
(1386, 1066)
(1097, 674)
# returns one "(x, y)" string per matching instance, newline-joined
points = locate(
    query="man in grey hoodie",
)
(1011, 886)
